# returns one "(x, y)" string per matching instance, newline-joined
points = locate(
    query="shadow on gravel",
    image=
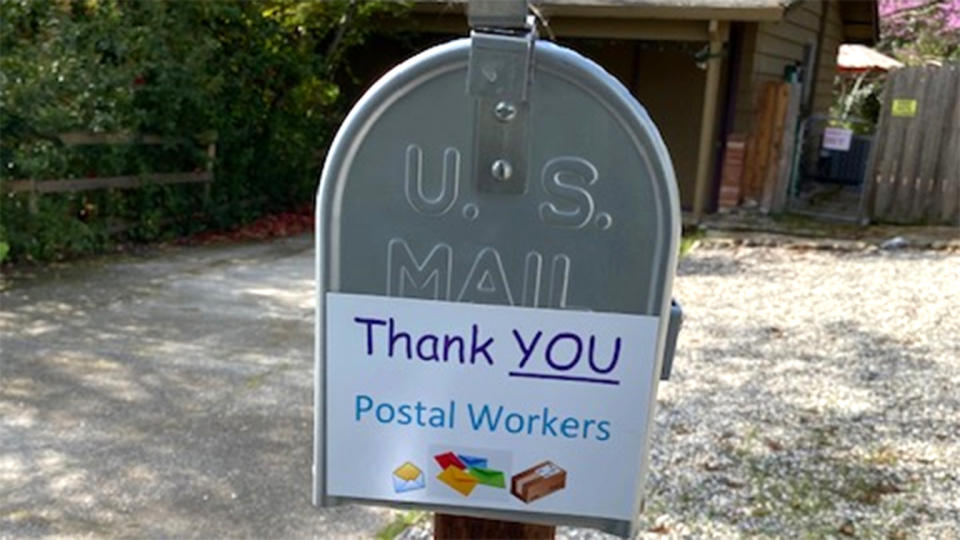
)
(705, 265)
(167, 400)
(839, 458)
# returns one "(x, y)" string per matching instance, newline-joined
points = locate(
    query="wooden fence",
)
(34, 187)
(914, 169)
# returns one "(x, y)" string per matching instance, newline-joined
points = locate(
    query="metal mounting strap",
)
(497, 13)
(498, 78)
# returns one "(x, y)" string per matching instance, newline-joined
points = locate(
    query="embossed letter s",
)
(566, 178)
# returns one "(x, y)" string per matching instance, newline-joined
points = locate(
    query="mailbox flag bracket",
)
(499, 74)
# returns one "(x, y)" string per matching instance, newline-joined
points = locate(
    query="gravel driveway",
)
(814, 393)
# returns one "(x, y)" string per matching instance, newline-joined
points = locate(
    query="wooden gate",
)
(914, 170)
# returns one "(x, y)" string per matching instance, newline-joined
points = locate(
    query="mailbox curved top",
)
(596, 227)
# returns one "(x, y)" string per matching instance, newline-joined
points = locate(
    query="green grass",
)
(689, 241)
(400, 524)
(256, 381)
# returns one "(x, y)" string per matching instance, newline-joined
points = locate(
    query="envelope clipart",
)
(473, 461)
(458, 480)
(408, 477)
(449, 460)
(488, 477)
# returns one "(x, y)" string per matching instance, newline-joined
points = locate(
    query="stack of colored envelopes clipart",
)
(464, 472)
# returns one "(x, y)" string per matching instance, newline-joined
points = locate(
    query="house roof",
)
(655, 9)
(854, 57)
(859, 18)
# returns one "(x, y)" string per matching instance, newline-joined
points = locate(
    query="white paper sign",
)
(835, 138)
(496, 407)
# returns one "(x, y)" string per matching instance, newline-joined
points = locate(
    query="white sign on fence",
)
(836, 138)
(496, 407)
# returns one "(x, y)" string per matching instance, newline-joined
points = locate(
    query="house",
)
(696, 65)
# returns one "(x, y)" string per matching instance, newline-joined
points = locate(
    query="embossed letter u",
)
(449, 185)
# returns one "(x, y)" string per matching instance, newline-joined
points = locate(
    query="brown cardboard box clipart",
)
(538, 481)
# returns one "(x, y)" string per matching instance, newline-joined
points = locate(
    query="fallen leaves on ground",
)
(290, 223)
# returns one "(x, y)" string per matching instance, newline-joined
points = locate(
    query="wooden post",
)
(771, 181)
(450, 527)
(708, 123)
(211, 158)
(32, 201)
(788, 146)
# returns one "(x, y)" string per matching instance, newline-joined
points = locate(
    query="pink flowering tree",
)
(920, 31)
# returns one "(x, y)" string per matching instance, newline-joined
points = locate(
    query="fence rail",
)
(103, 182)
(35, 187)
(915, 162)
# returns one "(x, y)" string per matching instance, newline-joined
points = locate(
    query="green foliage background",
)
(266, 77)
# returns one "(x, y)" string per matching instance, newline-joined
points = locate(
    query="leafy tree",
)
(920, 31)
(265, 76)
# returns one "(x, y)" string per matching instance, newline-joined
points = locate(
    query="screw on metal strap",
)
(498, 78)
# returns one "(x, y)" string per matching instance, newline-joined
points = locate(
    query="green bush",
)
(266, 77)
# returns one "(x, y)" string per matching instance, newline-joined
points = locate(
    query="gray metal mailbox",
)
(493, 171)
